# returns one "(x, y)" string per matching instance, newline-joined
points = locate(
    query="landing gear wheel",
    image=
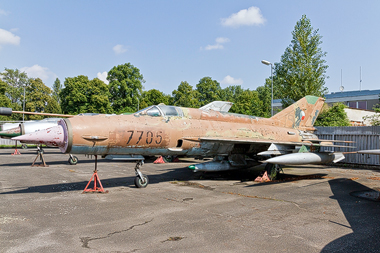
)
(141, 182)
(272, 170)
(73, 160)
(23, 146)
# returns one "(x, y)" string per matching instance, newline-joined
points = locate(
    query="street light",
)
(271, 76)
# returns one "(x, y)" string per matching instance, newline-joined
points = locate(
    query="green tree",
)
(333, 116)
(57, 87)
(302, 70)
(98, 97)
(185, 96)
(374, 119)
(231, 93)
(39, 99)
(81, 95)
(248, 103)
(4, 100)
(16, 81)
(73, 96)
(153, 97)
(209, 90)
(125, 87)
(265, 96)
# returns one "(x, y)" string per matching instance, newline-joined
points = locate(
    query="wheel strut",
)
(141, 180)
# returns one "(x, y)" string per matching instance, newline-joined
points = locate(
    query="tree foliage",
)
(125, 87)
(185, 96)
(57, 87)
(81, 95)
(4, 100)
(16, 81)
(231, 93)
(374, 119)
(39, 99)
(265, 96)
(302, 70)
(248, 103)
(153, 97)
(333, 116)
(209, 90)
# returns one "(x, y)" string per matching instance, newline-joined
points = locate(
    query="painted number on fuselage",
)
(149, 137)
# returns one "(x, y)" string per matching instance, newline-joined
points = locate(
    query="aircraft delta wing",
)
(234, 140)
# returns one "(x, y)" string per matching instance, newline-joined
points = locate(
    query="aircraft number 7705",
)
(149, 136)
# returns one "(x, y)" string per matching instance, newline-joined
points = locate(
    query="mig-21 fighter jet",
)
(234, 140)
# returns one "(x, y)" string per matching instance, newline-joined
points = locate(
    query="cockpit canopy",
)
(160, 111)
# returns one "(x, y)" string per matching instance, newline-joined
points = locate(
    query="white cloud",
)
(7, 37)
(219, 41)
(3, 12)
(119, 49)
(229, 80)
(250, 16)
(222, 40)
(36, 71)
(103, 76)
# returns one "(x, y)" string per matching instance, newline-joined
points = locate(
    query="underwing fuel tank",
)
(219, 166)
(17, 129)
(306, 158)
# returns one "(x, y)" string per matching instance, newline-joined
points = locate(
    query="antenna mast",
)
(360, 78)
(341, 81)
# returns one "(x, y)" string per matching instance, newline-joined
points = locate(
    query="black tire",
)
(141, 183)
(73, 160)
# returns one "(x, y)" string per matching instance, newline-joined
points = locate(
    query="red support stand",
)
(16, 150)
(96, 181)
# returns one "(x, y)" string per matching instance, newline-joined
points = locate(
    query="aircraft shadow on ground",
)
(362, 215)
(62, 162)
(168, 175)
(283, 178)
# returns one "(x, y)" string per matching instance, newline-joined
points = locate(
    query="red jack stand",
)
(16, 150)
(96, 181)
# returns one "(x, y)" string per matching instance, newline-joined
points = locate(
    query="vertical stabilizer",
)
(302, 114)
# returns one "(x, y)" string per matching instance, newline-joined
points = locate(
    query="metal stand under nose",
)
(96, 179)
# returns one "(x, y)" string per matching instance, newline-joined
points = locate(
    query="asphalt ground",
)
(310, 209)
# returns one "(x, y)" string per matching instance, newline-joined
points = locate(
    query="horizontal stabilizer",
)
(322, 140)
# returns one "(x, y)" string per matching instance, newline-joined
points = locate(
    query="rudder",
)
(300, 115)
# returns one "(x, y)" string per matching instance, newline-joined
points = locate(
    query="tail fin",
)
(300, 115)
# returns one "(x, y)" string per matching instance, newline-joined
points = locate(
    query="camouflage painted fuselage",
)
(187, 131)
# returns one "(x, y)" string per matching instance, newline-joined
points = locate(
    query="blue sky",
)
(174, 41)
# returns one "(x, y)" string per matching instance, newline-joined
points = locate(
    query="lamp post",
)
(271, 76)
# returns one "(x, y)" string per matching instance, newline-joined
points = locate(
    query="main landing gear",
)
(141, 180)
(273, 170)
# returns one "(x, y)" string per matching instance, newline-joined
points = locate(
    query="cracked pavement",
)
(309, 209)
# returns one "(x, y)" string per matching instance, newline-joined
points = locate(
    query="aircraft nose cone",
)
(53, 136)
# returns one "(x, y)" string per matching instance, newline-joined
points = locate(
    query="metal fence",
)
(365, 138)
(6, 142)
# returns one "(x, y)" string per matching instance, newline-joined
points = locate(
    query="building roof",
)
(344, 96)
(354, 93)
